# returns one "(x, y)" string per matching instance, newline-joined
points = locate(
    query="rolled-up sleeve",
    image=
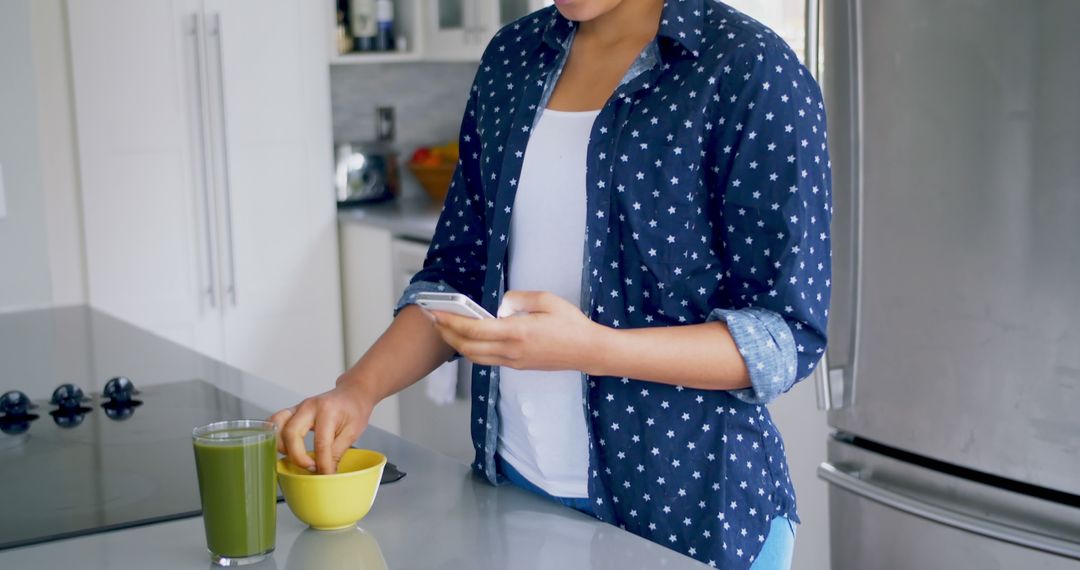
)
(768, 348)
(455, 260)
(772, 191)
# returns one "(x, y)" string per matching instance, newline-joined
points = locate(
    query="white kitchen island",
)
(438, 516)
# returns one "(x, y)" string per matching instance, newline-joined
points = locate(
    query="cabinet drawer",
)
(408, 256)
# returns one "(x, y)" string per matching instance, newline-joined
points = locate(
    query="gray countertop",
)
(413, 218)
(438, 516)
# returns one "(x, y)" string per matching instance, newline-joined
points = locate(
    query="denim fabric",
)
(580, 504)
(779, 546)
(767, 347)
(707, 188)
(409, 296)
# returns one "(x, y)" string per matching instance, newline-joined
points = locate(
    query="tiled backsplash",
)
(428, 101)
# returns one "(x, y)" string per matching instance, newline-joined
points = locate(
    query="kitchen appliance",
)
(368, 172)
(953, 371)
(83, 450)
(88, 464)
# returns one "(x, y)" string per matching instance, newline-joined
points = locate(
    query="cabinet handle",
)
(217, 32)
(209, 288)
(473, 27)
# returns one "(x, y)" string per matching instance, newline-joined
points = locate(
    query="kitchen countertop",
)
(413, 218)
(438, 516)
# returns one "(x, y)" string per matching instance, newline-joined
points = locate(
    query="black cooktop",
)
(95, 462)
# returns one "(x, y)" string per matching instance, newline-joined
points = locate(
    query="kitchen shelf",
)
(376, 57)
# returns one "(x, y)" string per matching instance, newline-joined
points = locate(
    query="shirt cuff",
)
(409, 296)
(768, 348)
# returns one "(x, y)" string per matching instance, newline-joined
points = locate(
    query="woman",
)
(643, 193)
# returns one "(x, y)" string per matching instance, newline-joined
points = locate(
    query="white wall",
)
(41, 261)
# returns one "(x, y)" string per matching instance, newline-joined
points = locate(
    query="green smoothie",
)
(237, 485)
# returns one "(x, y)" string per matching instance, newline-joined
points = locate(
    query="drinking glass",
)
(235, 461)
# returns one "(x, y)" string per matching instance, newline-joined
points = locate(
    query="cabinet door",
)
(442, 426)
(493, 15)
(450, 29)
(136, 68)
(272, 172)
(506, 11)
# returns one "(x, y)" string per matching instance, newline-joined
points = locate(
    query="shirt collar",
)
(680, 23)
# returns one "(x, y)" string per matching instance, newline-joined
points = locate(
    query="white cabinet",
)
(376, 268)
(367, 276)
(432, 412)
(440, 30)
(205, 155)
(461, 29)
(449, 29)
(143, 196)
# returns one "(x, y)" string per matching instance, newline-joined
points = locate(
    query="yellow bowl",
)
(331, 502)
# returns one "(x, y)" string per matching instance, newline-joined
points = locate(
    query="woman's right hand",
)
(337, 417)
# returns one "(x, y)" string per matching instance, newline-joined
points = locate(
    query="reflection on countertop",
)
(414, 217)
(351, 548)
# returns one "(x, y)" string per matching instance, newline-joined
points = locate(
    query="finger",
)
(526, 302)
(326, 427)
(491, 361)
(293, 435)
(348, 435)
(279, 419)
(471, 347)
(474, 329)
(485, 349)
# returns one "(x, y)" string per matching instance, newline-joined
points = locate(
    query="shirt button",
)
(532, 429)
(527, 409)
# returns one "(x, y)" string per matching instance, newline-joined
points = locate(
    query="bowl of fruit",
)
(434, 168)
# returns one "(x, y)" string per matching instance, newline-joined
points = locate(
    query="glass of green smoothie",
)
(237, 484)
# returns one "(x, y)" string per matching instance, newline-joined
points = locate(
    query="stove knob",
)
(119, 413)
(68, 420)
(14, 403)
(68, 396)
(119, 390)
(15, 427)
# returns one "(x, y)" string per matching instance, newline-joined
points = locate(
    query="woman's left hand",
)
(540, 331)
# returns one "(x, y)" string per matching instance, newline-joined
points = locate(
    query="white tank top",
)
(542, 429)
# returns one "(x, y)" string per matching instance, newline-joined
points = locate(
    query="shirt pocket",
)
(659, 194)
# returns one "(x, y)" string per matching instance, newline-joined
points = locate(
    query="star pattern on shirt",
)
(708, 187)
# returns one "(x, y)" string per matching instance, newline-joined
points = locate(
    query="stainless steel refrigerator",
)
(953, 371)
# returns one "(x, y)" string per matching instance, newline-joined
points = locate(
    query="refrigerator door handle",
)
(822, 386)
(822, 374)
(933, 509)
(813, 12)
(837, 385)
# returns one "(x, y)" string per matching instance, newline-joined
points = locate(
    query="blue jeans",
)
(580, 504)
(779, 546)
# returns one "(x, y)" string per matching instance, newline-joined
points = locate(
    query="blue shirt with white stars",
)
(708, 198)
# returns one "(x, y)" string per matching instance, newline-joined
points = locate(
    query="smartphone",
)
(455, 303)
